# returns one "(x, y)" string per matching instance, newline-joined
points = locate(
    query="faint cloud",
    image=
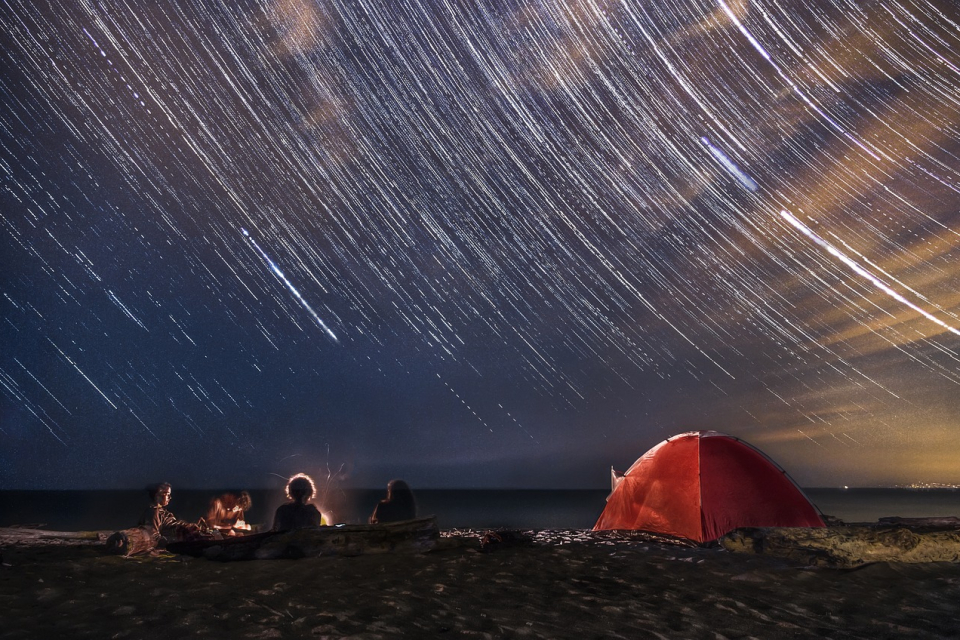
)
(302, 28)
(717, 20)
(300, 24)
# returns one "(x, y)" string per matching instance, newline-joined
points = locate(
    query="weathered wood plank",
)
(409, 536)
(21, 535)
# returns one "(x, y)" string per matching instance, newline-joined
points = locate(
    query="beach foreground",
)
(560, 585)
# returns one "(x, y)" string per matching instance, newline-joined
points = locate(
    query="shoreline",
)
(482, 508)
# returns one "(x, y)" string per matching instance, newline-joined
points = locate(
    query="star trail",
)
(492, 244)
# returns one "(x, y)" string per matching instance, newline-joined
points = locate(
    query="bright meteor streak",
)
(729, 165)
(807, 231)
(276, 270)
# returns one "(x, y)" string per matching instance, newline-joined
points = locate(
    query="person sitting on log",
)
(399, 504)
(297, 512)
(160, 523)
(226, 513)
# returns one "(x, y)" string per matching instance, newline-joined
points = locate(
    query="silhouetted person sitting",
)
(226, 513)
(159, 522)
(298, 513)
(399, 504)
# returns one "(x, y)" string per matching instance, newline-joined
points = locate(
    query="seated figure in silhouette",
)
(297, 512)
(159, 522)
(225, 513)
(398, 505)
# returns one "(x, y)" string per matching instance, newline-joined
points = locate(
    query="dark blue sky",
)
(500, 244)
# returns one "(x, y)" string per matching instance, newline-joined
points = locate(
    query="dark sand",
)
(567, 585)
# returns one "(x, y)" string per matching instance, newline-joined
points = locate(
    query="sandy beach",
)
(563, 584)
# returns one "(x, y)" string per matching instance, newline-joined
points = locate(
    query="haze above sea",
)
(467, 508)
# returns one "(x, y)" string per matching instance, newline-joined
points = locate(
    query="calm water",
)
(112, 510)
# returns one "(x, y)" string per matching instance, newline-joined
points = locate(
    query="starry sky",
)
(492, 243)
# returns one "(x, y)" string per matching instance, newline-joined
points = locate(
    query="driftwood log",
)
(409, 536)
(130, 542)
(851, 545)
(27, 535)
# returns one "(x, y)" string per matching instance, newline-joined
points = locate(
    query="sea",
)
(454, 509)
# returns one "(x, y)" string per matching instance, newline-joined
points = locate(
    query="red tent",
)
(703, 484)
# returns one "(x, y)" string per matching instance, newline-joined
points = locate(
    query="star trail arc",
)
(523, 230)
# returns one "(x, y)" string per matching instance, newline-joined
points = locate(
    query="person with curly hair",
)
(298, 512)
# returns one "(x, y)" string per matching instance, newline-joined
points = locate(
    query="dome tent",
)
(701, 485)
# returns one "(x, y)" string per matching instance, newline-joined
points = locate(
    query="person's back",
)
(399, 505)
(298, 513)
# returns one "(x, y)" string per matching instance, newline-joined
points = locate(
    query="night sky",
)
(476, 244)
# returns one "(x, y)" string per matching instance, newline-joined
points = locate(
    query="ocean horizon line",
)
(237, 488)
